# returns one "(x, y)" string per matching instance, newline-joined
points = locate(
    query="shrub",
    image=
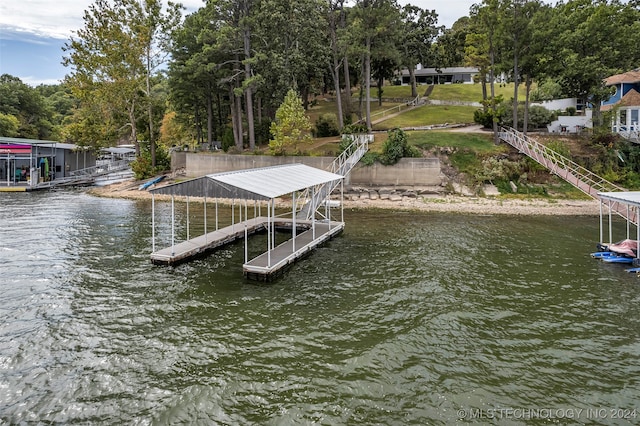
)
(327, 125)
(397, 146)
(227, 139)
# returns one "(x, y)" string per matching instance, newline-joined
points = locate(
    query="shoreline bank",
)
(444, 203)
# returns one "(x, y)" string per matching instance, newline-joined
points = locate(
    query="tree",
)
(418, 33)
(9, 125)
(487, 19)
(291, 127)
(27, 105)
(373, 21)
(113, 58)
(592, 40)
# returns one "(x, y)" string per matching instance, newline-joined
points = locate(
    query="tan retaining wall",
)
(408, 171)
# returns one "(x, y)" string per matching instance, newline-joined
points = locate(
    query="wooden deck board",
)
(267, 264)
(281, 255)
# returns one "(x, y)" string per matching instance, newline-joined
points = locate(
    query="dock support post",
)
(342, 200)
(188, 217)
(637, 231)
(216, 214)
(246, 234)
(628, 228)
(293, 230)
(273, 224)
(206, 237)
(610, 225)
(601, 224)
(153, 223)
(233, 214)
(268, 235)
(173, 226)
(313, 214)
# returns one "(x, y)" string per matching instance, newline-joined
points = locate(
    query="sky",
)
(32, 32)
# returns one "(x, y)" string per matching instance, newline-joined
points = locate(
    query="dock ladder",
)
(342, 165)
(578, 176)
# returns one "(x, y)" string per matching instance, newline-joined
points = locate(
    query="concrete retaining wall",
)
(408, 172)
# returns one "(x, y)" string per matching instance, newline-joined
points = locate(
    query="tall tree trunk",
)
(494, 107)
(412, 82)
(484, 92)
(209, 119)
(134, 132)
(249, 90)
(335, 74)
(516, 83)
(152, 141)
(347, 90)
(367, 77)
(527, 85)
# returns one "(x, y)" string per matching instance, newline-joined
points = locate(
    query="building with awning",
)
(26, 162)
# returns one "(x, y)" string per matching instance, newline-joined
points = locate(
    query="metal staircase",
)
(342, 165)
(583, 179)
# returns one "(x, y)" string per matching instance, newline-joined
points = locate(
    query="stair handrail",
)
(341, 165)
(595, 183)
(593, 180)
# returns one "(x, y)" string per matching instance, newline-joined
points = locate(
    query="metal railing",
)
(568, 170)
(102, 169)
(342, 165)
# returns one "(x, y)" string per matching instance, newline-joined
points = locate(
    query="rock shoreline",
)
(425, 200)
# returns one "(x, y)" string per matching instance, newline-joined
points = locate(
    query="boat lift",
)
(613, 202)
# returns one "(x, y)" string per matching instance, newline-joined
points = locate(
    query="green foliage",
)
(547, 90)
(227, 139)
(484, 118)
(539, 116)
(142, 166)
(327, 125)
(27, 105)
(291, 127)
(396, 147)
(353, 129)
(560, 147)
(369, 158)
(9, 125)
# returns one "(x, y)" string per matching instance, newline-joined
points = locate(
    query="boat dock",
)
(269, 264)
(308, 224)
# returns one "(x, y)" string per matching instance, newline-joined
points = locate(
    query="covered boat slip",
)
(626, 250)
(261, 187)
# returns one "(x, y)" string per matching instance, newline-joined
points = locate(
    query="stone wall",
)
(409, 172)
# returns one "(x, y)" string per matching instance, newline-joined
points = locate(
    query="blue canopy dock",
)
(309, 220)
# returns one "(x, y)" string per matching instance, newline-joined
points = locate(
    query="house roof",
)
(627, 77)
(443, 71)
(631, 98)
(252, 184)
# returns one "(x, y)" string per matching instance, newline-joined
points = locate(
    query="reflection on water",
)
(404, 318)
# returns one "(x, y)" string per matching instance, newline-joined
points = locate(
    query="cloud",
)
(54, 19)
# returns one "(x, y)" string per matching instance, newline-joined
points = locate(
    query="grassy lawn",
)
(429, 115)
(450, 92)
(477, 142)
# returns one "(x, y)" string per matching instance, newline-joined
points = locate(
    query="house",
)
(29, 161)
(626, 103)
(440, 75)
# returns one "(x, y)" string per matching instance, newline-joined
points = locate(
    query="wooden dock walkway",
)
(271, 264)
(267, 265)
(186, 250)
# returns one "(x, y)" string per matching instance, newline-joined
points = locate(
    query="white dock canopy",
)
(252, 184)
(630, 197)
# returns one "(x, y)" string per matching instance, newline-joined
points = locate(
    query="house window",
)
(623, 117)
(634, 117)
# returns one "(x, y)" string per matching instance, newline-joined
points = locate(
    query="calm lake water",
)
(406, 318)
